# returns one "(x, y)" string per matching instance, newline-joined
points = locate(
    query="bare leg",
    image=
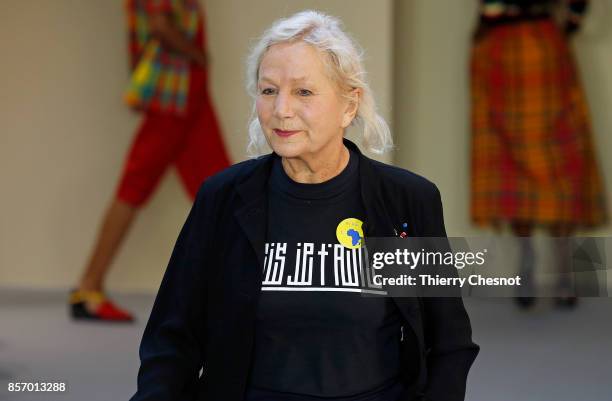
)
(562, 251)
(116, 223)
(526, 292)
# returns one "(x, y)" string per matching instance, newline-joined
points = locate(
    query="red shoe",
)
(104, 310)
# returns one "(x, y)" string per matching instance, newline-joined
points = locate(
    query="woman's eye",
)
(304, 92)
(267, 91)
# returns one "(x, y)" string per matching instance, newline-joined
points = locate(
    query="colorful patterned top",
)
(160, 77)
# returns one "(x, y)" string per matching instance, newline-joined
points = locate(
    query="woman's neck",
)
(318, 168)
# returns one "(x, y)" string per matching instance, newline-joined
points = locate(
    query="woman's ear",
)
(354, 96)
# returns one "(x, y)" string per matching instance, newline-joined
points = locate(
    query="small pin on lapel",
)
(403, 234)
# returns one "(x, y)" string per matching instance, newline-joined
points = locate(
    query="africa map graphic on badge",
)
(350, 233)
(355, 237)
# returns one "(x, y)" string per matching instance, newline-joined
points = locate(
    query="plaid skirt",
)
(532, 152)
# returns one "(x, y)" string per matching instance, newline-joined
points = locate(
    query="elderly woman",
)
(258, 301)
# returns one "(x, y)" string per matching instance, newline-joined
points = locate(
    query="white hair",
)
(344, 63)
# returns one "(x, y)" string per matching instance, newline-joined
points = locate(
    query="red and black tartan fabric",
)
(532, 152)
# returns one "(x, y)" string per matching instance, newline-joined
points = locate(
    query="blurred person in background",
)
(533, 162)
(169, 86)
(224, 327)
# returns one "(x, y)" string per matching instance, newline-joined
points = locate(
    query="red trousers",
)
(192, 143)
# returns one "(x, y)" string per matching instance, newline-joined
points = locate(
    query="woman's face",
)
(299, 107)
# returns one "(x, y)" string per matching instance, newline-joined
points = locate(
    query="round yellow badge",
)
(349, 233)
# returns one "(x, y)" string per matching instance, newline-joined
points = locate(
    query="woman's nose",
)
(282, 106)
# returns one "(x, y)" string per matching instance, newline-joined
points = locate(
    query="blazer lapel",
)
(378, 223)
(252, 216)
(252, 219)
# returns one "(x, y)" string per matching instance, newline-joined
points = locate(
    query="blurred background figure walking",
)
(533, 161)
(169, 86)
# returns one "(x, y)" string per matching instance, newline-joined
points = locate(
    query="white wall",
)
(64, 131)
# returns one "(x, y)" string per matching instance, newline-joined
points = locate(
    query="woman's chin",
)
(287, 149)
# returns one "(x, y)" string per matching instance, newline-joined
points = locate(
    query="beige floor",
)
(545, 355)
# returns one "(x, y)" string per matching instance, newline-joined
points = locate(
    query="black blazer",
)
(204, 312)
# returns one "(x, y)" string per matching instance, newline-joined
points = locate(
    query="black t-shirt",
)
(316, 334)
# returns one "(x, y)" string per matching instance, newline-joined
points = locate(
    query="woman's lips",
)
(284, 134)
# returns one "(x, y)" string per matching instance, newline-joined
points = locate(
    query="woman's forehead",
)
(296, 62)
